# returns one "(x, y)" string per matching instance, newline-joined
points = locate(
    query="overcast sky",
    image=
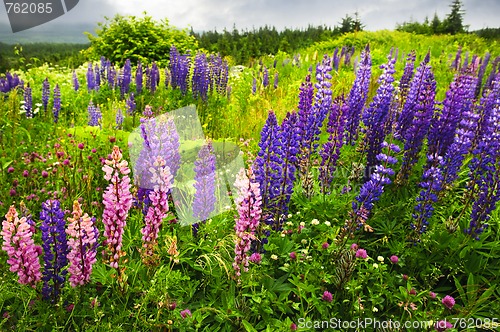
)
(245, 14)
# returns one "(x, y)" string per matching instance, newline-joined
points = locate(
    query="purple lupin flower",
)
(372, 190)
(45, 93)
(249, 205)
(330, 150)
(130, 104)
(493, 73)
(158, 208)
(264, 165)
(82, 242)
(219, 73)
(160, 139)
(28, 102)
(138, 78)
(55, 247)
(458, 98)
(276, 80)
(480, 74)
(111, 74)
(205, 177)
(97, 77)
(376, 114)
(410, 90)
(119, 118)
(418, 110)
(179, 66)
(90, 77)
(458, 58)
(125, 78)
(19, 245)
(168, 78)
(95, 115)
(485, 171)
(265, 77)
(200, 79)
(358, 96)
(57, 103)
(457, 152)
(432, 184)
(286, 151)
(336, 59)
(152, 77)
(254, 86)
(76, 84)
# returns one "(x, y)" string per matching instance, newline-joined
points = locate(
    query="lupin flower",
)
(179, 68)
(200, 79)
(265, 77)
(372, 190)
(205, 177)
(358, 96)
(111, 74)
(82, 242)
(19, 245)
(249, 205)
(119, 118)
(330, 150)
(480, 74)
(76, 84)
(28, 102)
(125, 78)
(55, 248)
(131, 105)
(90, 77)
(158, 208)
(117, 201)
(432, 184)
(57, 103)
(219, 74)
(459, 98)
(254, 86)
(276, 80)
(97, 77)
(415, 119)
(45, 93)
(95, 115)
(376, 114)
(138, 78)
(485, 170)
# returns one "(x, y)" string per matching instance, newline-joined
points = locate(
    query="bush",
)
(130, 37)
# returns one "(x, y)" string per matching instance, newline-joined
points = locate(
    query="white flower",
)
(375, 265)
(290, 215)
(289, 223)
(328, 223)
(375, 309)
(286, 265)
(304, 241)
(274, 257)
(380, 259)
(302, 224)
(315, 222)
(283, 234)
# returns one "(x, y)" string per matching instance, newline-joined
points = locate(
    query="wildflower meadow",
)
(357, 180)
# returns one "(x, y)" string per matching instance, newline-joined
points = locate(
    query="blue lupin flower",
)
(200, 79)
(28, 102)
(97, 77)
(45, 93)
(90, 77)
(94, 115)
(358, 96)
(205, 177)
(57, 103)
(55, 249)
(138, 78)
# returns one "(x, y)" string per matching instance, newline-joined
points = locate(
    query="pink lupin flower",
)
(248, 203)
(117, 201)
(82, 243)
(19, 245)
(162, 180)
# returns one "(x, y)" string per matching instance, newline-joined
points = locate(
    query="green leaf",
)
(248, 326)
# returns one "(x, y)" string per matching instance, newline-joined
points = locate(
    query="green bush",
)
(137, 38)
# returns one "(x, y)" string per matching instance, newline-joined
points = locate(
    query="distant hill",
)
(49, 33)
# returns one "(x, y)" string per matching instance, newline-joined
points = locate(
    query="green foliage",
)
(137, 38)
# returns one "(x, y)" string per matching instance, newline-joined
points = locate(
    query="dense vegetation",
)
(355, 180)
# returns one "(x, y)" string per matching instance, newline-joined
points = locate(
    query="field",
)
(353, 182)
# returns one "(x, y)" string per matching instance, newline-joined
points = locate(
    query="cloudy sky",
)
(245, 14)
